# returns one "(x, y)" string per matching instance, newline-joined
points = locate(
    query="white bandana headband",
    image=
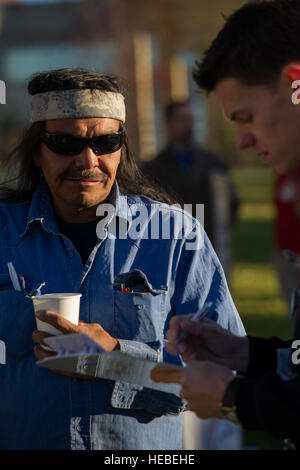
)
(67, 104)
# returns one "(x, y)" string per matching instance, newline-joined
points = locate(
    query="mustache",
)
(86, 175)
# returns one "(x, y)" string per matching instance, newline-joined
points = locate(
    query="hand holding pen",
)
(194, 337)
(197, 317)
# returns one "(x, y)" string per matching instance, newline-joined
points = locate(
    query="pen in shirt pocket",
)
(197, 317)
(123, 288)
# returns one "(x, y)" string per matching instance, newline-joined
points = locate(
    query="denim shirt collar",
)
(41, 208)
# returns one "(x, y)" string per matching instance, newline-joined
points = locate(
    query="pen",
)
(197, 317)
(13, 276)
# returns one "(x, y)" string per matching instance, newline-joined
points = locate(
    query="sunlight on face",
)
(265, 119)
(79, 183)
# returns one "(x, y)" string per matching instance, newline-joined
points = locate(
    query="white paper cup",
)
(67, 305)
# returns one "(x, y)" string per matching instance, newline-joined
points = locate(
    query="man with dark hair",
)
(251, 66)
(70, 223)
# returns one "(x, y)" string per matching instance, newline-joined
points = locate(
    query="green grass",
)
(254, 184)
(254, 283)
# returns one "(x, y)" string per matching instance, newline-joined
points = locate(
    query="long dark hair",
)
(19, 164)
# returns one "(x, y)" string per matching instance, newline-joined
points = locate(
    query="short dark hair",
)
(253, 46)
(129, 176)
(172, 106)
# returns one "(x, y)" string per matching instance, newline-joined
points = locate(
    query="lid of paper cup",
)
(57, 295)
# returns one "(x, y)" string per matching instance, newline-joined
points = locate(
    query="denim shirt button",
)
(140, 307)
(71, 254)
(15, 302)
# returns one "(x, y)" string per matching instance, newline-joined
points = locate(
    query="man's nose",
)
(86, 159)
(244, 139)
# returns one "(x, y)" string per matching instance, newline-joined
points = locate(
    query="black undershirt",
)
(82, 235)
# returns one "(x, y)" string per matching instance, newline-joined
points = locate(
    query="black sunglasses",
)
(68, 144)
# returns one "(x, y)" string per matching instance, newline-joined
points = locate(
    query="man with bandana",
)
(72, 167)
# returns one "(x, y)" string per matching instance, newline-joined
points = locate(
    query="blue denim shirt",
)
(43, 410)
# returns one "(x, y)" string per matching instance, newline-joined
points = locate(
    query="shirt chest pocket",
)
(27, 288)
(17, 321)
(139, 307)
(5, 282)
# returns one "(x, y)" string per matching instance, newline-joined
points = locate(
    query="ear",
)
(291, 78)
(291, 73)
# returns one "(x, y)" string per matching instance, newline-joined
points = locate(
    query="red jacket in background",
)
(287, 201)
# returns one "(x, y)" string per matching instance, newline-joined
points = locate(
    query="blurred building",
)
(152, 44)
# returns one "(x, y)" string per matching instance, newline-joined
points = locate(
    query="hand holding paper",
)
(78, 355)
(203, 385)
(93, 330)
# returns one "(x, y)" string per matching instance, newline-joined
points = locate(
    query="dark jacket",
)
(191, 184)
(264, 401)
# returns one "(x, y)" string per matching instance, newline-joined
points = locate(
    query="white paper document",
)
(78, 353)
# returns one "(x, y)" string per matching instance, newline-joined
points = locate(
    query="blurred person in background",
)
(286, 230)
(196, 176)
(253, 67)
